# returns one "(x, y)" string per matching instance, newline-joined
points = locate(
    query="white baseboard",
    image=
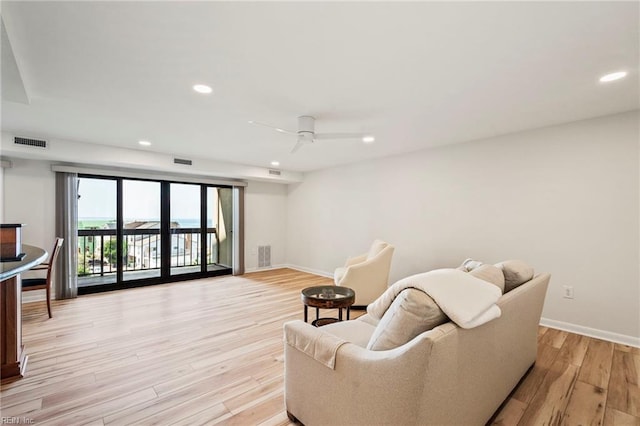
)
(311, 271)
(592, 332)
(267, 268)
(295, 267)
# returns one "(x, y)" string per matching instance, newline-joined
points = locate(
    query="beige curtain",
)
(66, 284)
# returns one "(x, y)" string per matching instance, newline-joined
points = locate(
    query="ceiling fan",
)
(306, 132)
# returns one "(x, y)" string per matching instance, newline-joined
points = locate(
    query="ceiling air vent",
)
(30, 142)
(182, 161)
(275, 172)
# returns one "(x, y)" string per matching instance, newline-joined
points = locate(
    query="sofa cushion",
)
(516, 273)
(412, 312)
(355, 331)
(376, 248)
(369, 319)
(338, 274)
(489, 273)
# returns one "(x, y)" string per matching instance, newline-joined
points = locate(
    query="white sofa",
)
(444, 376)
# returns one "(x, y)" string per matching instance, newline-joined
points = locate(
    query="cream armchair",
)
(367, 274)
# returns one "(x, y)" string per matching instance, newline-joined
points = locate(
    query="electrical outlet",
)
(568, 292)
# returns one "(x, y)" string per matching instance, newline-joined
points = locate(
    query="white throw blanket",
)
(468, 301)
(320, 346)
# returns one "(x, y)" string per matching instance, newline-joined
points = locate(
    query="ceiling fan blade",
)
(338, 135)
(297, 146)
(277, 129)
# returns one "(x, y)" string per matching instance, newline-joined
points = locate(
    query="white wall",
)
(29, 198)
(563, 198)
(265, 222)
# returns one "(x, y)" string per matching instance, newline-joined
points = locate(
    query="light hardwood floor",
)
(210, 351)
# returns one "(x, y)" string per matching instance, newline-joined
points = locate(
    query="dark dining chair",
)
(30, 284)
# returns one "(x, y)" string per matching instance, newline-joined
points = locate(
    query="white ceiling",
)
(414, 74)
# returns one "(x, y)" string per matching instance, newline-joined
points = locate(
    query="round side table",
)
(327, 297)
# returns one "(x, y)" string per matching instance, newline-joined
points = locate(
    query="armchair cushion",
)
(411, 313)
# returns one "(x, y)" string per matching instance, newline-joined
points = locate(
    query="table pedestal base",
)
(13, 358)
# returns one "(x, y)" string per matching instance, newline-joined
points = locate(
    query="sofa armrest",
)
(320, 346)
(365, 386)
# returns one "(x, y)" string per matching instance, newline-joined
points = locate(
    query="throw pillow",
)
(516, 273)
(489, 273)
(411, 313)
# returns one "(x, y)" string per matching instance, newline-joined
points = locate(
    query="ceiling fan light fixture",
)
(613, 76)
(202, 88)
(306, 133)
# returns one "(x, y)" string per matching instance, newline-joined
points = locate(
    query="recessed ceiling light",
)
(144, 143)
(202, 88)
(275, 163)
(613, 76)
(368, 139)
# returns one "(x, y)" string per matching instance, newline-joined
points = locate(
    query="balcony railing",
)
(142, 250)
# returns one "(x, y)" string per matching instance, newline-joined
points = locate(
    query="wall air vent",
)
(37, 143)
(264, 256)
(182, 161)
(275, 172)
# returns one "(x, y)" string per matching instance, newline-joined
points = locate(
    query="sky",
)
(141, 200)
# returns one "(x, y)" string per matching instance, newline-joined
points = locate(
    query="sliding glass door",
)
(186, 228)
(141, 237)
(97, 234)
(135, 232)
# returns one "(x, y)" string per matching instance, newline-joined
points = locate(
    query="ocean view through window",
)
(136, 232)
